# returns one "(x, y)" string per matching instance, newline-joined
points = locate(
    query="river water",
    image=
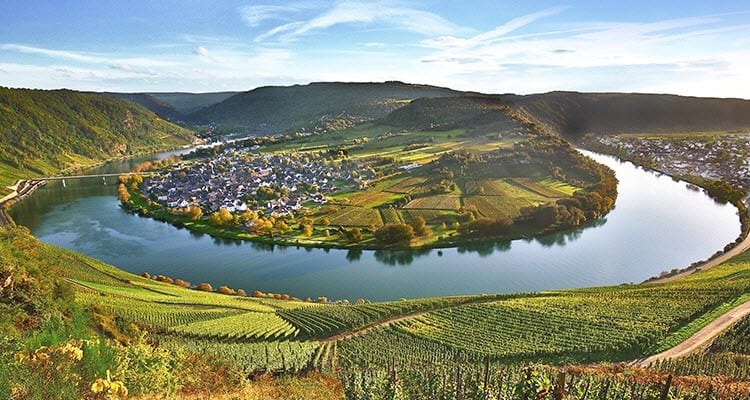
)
(657, 224)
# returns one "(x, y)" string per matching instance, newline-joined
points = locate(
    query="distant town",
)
(724, 157)
(239, 179)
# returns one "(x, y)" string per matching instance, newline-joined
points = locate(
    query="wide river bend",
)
(657, 224)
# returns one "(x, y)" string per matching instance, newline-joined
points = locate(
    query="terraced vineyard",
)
(614, 323)
(292, 356)
(322, 322)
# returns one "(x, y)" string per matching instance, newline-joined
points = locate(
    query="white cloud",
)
(390, 14)
(255, 15)
(203, 53)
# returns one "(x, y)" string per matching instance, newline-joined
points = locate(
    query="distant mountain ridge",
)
(328, 106)
(174, 106)
(572, 114)
(317, 106)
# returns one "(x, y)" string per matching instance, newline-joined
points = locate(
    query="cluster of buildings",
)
(724, 157)
(237, 179)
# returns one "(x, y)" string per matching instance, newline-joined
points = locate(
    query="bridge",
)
(60, 178)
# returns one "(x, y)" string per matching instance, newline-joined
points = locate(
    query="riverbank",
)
(741, 243)
(20, 190)
(445, 238)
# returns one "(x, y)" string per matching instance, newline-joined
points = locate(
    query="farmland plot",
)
(435, 203)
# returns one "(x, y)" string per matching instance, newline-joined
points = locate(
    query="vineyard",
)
(489, 381)
(409, 185)
(355, 216)
(436, 203)
(728, 355)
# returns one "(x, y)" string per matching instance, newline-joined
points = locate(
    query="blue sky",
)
(699, 48)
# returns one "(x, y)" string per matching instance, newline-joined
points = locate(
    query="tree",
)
(307, 230)
(221, 218)
(122, 193)
(194, 213)
(419, 226)
(394, 233)
(486, 226)
(353, 235)
(282, 227)
(266, 193)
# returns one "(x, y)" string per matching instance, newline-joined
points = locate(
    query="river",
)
(657, 224)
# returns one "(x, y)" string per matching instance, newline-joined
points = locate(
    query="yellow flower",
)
(73, 352)
(99, 386)
(41, 356)
(20, 357)
(118, 389)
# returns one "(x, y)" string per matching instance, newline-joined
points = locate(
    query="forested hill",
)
(572, 114)
(475, 112)
(44, 131)
(315, 107)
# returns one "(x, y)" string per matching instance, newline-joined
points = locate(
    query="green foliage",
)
(45, 131)
(735, 340)
(394, 234)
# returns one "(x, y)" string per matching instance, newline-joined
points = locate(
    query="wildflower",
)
(99, 386)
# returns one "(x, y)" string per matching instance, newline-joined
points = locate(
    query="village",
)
(241, 179)
(724, 157)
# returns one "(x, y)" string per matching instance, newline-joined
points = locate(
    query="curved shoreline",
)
(741, 243)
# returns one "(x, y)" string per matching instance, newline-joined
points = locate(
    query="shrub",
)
(227, 290)
(205, 287)
(182, 283)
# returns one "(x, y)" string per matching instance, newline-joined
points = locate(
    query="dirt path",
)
(377, 324)
(743, 246)
(702, 337)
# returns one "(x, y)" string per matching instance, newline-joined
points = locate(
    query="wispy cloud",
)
(86, 58)
(254, 15)
(60, 54)
(394, 15)
(494, 34)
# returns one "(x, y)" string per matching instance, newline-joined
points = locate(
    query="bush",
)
(227, 290)
(182, 283)
(205, 287)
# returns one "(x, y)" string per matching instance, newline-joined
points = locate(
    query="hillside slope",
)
(45, 131)
(573, 114)
(313, 107)
(478, 113)
(174, 106)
